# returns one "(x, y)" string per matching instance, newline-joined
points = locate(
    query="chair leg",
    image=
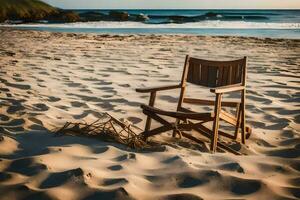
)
(243, 120)
(175, 131)
(214, 139)
(148, 124)
(151, 103)
(238, 121)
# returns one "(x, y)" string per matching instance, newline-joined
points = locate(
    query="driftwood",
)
(110, 129)
(106, 128)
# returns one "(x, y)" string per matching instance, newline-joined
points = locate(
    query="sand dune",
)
(47, 79)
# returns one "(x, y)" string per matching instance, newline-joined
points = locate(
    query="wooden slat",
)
(209, 102)
(204, 72)
(220, 76)
(196, 73)
(200, 74)
(234, 78)
(225, 75)
(159, 88)
(228, 117)
(190, 73)
(229, 78)
(204, 75)
(180, 115)
(216, 63)
(156, 131)
(185, 110)
(228, 88)
(208, 133)
(212, 76)
(241, 73)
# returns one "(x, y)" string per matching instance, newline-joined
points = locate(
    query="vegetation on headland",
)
(33, 10)
(24, 11)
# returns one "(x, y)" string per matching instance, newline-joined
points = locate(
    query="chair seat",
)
(181, 115)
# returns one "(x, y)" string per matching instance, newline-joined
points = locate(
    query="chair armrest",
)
(154, 89)
(227, 88)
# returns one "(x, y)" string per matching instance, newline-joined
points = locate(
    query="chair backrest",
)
(214, 73)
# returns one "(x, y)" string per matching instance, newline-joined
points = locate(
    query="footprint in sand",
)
(124, 85)
(15, 108)
(59, 178)
(14, 85)
(130, 156)
(26, 166)
(181, 196)
(5, 176)
(53, 99)
(244, 186)
(98, 150)
(4, 117)
(187, 181)
(18, 79)
(14, 122)
(115, 167)
(78, 104)
(234, 166)
(73, 84)
(119, 193)
(114, 181)
(41, 107)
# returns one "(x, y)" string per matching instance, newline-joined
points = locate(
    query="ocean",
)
(252, 23)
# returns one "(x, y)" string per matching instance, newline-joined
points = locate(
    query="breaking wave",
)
(213, 24)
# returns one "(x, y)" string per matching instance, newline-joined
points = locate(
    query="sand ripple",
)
(47, 79)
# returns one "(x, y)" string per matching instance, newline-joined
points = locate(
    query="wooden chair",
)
(221, 77)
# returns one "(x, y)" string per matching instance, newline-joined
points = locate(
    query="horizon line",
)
(181, 8)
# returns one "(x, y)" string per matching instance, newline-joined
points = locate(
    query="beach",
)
(48, 79)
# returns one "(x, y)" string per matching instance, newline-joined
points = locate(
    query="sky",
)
(183, 4)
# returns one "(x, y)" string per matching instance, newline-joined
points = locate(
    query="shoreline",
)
(4, 28)
(49, 78)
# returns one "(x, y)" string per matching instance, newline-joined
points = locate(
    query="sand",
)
(47, 79)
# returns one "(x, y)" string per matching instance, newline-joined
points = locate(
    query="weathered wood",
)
(155, 131)
(243, 126)
(209, 102)
(179, 115)
(160, 88)
(184, 78)
(156, 117)
(223, 76)
(228, 88)
(220, 76)
(228, 117)
(214, 73)
(216, 63)
(208, 133)
(214, 138)
(190, 125)
(238, 122)
(151, 103)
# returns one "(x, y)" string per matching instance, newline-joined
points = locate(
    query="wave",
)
(210, 24)
(207, 16)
